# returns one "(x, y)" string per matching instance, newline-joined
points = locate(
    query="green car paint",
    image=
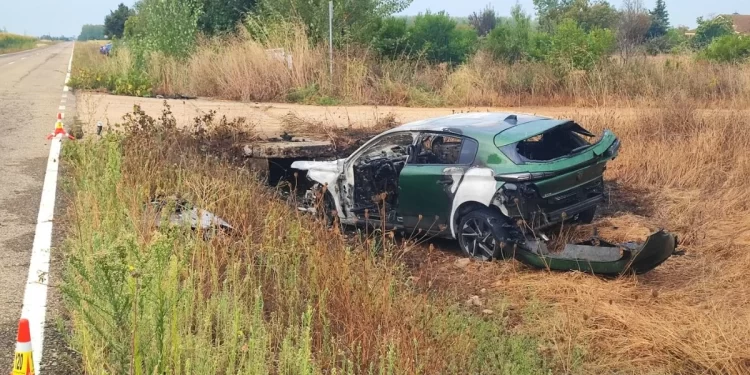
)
(425, 197)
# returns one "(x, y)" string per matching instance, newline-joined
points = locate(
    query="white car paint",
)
(477, 185)
(326, 173)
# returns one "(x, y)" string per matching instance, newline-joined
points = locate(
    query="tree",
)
(353, 20)
(437, 37)
(511, 40)
(92, 32)
(483, 22)
(634, 24)
(710, 29)
(114, 23)
(167, 26)
(548, 13)
(220, 16)
(659, 20)
(587, 14)
(598, 15)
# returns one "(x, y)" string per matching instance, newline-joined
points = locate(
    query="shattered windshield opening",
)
(555, 143)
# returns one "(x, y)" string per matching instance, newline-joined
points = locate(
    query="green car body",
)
(514, 174)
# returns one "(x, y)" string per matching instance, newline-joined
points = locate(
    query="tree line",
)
(572, 34)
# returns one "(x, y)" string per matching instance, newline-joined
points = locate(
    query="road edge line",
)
(35, 295)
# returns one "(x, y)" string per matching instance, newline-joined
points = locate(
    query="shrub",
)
(511, 41)
(392, 38)
(437, 37)
(708, 30)
(671, 42)
(728, 48)
(571, 48)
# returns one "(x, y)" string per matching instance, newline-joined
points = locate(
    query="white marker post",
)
(330, 39)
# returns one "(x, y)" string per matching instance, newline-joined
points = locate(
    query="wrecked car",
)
(493, 181)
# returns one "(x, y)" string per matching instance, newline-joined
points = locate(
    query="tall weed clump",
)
(279, 293)
(12, 42)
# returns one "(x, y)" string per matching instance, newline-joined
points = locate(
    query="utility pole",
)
(330, 39)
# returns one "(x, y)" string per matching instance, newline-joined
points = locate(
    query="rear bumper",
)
(524, 202)
(601, 257)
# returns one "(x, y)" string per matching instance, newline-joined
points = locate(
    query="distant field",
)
(14, 43)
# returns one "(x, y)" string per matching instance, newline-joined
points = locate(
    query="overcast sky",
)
(65, 17)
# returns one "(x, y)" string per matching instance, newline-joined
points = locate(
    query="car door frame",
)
(347, 188)
(449, 175)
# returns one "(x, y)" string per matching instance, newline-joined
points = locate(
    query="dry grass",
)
(239, 68)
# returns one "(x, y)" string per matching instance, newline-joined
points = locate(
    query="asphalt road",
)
(31, 89)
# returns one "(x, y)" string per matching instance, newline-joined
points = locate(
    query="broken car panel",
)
(182, 213)
(481, 178)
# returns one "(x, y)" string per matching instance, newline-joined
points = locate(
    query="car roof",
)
(473, 124)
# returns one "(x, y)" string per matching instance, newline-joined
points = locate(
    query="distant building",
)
(741, 22)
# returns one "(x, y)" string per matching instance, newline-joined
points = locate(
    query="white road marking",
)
(66, 89)
(35, 296)
(11, 63)
(23, 58)
(62, 108)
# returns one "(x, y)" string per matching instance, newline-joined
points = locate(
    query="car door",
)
(429, 181)
(373, 170)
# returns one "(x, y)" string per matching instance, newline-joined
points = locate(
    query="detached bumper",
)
(601, 257)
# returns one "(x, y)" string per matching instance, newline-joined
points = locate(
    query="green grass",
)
(14, 43)
(280, 294)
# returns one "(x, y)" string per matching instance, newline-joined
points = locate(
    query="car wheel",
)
(478, 233)
(587, 217)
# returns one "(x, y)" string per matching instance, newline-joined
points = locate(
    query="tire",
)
(480, 234)
(587, 217)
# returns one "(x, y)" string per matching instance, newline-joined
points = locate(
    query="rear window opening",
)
(555, 143)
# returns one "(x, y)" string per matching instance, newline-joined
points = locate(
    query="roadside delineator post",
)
(59, 129)
(23, 363)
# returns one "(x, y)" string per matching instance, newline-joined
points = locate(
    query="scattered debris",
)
(474, 301)
(601, 257)
(462, 263)
(182, 213)
(488, 311)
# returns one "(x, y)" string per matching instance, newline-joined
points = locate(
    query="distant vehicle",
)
(105, 49)
(492, 181)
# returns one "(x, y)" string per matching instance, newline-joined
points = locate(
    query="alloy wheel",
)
(477, 239)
